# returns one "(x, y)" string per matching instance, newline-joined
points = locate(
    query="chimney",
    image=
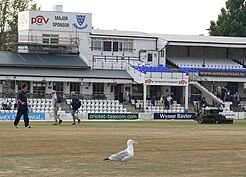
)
(57, 8)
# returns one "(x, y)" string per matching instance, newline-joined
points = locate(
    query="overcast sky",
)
(190, 17)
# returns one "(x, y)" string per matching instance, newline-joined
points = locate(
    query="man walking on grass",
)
(75, 106)
(22, 107)
(55, 106)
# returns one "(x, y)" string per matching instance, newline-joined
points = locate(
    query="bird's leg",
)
(125, 163)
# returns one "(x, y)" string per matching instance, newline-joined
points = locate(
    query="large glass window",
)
(75, 87)
(106, 45)
(115, 46)
(58, 87)
(38, 87)
(98, 88)
(128, 46)
(28, 85)
(137, 91)
(8, 88)
(96, 45)
(155, 90)
(50, 38)
(111, 44)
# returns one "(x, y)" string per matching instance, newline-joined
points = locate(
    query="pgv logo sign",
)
(39, 20)
(149, 81)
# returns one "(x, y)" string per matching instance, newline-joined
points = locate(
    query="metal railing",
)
(108, 58)
(113, 96)
(40, 39)
(203, 81)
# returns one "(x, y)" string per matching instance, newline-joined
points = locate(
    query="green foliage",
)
(231, 21)
(9, 10)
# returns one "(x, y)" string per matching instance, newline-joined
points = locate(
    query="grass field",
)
(165, 148)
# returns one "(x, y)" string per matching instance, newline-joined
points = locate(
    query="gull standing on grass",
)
(124, 155)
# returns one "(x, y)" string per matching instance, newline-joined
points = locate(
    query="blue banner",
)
(31, 116)
(180, 116)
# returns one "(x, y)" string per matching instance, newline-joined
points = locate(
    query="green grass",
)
(165, 148)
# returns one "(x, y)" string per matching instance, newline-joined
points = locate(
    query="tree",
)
(231, 21)
(9, 10)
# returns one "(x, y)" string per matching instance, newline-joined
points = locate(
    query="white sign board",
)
(173, 82)
(54, 21)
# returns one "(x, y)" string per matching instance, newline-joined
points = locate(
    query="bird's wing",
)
(119, 156)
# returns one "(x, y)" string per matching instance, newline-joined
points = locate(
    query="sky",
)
(185, 17)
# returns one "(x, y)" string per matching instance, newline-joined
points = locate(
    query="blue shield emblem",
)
(80, 21)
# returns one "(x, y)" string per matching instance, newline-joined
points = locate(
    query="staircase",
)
(204, 89)
(171, 65)
(203, 84)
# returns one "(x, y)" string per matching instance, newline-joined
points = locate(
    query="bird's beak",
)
(135, 142)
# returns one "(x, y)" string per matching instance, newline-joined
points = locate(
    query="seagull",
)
(124, 155)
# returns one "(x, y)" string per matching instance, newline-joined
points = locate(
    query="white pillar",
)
(67, 91)
(48, 87)
(1, 87)
(144, 96)
(16, 87)
(186, 97)
(31, 87)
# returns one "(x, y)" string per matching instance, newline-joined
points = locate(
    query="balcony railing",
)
(44, 43)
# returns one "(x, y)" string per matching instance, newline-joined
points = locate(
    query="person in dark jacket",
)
(22, 107)
(74, 109)
(203, 104)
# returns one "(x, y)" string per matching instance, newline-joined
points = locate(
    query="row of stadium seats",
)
(45, 105)
(147, 68)
(100, 106)
(157, 108)
(34, 111)
(208, 62)
(98, 103)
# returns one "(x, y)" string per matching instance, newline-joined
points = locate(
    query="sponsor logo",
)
(182, 82)
(34, 116)
(112, 116)
(221, 74)
(149, 81)
(39, 20)
(174, 115)
(80, 22)
(23, 20)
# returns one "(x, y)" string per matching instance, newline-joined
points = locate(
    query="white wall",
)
(85, 44)
(85, 88)
(1, 87)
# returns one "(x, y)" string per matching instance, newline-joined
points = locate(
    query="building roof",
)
(64, 73)
(117, 33)
(172, 39)
(41, 60)
(204, 40)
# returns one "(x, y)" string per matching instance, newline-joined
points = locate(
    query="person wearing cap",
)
(74, 109)
(55, 108)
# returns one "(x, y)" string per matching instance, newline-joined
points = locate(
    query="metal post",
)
(144, 96)
(186, 97)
